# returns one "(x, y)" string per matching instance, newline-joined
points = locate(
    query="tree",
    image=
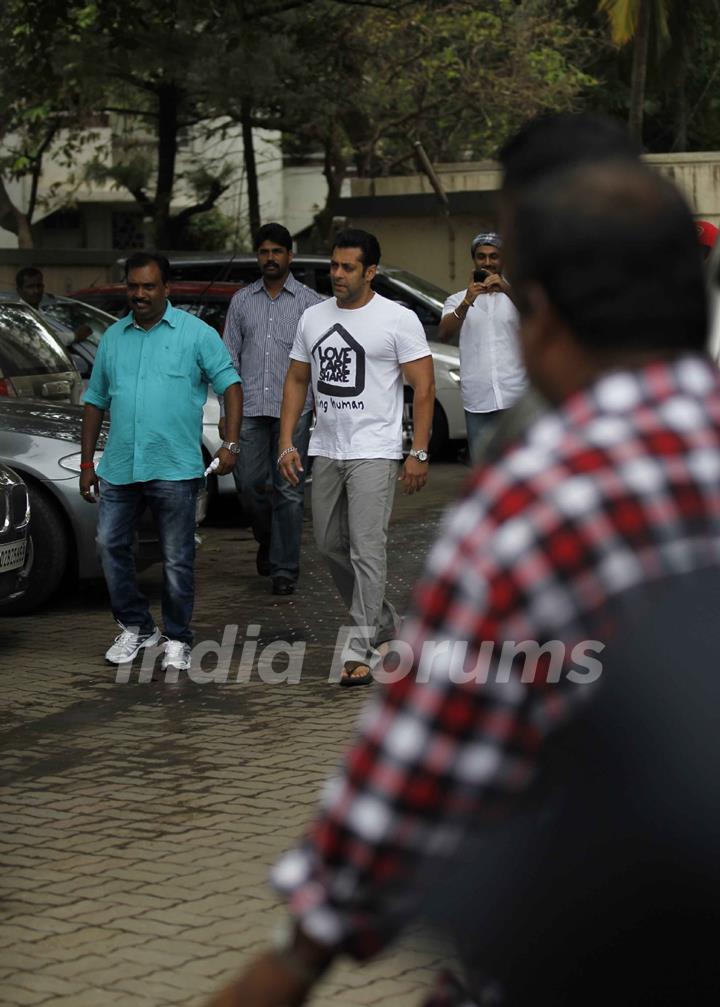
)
(37, 104)
(635, 20)
(457, 75)
(152, 79)
(356, 81)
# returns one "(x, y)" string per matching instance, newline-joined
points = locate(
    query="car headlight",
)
(454, 374)
(72, 462)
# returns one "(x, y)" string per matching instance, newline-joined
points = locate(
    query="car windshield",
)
(26, 346)
(212, 312)
(75, 313)
(416, 285)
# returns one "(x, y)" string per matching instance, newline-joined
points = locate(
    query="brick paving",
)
(139, 820)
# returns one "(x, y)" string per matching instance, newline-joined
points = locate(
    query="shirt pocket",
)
(174, 390)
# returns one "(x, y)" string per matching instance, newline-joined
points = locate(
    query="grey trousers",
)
(351, 505)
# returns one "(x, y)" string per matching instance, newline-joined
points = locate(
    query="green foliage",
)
(456, 75)
(209, 232)
(683, 76)
(354, 83)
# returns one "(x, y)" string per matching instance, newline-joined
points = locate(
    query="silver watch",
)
(421, 454)
(232, 446)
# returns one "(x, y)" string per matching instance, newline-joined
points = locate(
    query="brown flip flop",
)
(350, 680)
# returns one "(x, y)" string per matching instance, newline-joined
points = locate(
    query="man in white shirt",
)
(492, 375)
(357, 348)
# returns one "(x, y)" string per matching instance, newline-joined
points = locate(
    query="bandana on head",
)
(486, 238)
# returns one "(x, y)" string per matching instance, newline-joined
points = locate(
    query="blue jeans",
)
(276, 507)
(480, 428)
(172, 505)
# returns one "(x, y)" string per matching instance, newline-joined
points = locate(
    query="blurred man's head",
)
(30, 285)
(554, 141)
(596, 289)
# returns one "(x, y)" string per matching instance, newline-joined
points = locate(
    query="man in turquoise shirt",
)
(152, 371)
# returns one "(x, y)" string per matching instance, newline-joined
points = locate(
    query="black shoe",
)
(283, 585)
(262, 561)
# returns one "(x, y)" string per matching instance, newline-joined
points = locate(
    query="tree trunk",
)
(167, 142)
(13, 220)
(639, 71)
(680, 140)
(334, 170)
(250, 166)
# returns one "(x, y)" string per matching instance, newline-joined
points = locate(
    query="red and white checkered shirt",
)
(617, 488)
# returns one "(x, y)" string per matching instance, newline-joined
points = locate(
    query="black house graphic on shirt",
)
(341, 363)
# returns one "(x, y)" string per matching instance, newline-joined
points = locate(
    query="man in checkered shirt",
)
(615, 489)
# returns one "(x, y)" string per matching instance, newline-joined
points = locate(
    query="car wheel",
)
(439, 435)
(50, 555)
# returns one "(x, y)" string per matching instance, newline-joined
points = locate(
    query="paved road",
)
(139, 820)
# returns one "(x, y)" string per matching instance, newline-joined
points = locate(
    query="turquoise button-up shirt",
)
(155, 384)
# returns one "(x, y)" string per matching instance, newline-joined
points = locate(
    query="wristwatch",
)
(421, 454)
(232, 446)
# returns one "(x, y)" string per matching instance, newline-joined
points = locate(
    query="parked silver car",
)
(71, 314)
(15, 549)
(33, 363)
(42, 444)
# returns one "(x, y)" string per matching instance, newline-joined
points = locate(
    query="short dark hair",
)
(139, 259)
(353, 237)
(613, 246)
(553, 141)
(273, 232)
(25, 273)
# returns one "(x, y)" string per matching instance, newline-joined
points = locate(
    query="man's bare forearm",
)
(423, 408)
(91, 425)
(294, 395)
(233, 407)
(449, 327)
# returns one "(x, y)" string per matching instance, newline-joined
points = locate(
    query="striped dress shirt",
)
(259, 333)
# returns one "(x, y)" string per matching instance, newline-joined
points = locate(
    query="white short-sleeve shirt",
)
(492, 375)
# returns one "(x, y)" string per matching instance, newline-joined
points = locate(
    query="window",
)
(26, 347)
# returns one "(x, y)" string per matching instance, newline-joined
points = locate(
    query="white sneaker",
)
(177, 655)
(128, 644)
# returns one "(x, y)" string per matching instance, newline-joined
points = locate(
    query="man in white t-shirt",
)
(492, 375)
(357, 348)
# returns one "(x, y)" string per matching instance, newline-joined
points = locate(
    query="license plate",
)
(12, 555)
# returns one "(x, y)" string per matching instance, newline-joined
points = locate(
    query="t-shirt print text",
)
(341, 363)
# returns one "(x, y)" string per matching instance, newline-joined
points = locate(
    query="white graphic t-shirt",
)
(355, 355)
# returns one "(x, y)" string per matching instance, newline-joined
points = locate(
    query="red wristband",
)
(84, 466)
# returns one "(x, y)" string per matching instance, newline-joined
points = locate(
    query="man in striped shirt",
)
(259, 333)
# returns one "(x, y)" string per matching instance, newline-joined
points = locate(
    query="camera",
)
(480, 275)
